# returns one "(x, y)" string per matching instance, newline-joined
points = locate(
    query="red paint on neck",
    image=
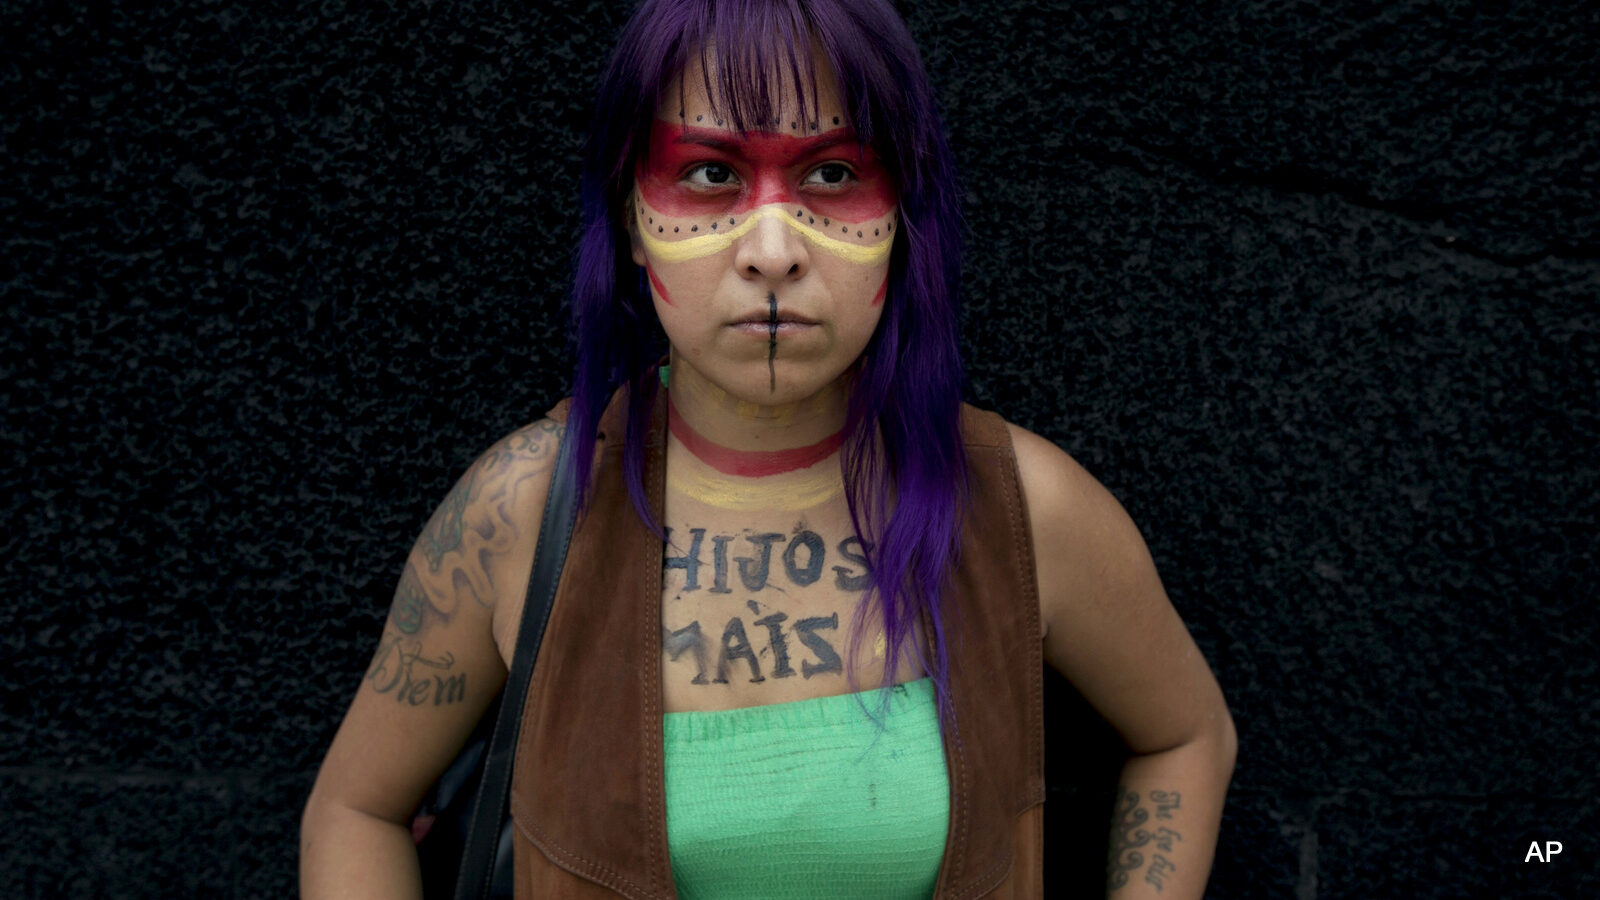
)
(768, 168)
(883, 291)
(748, 463)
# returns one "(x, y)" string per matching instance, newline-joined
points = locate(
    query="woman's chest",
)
(758, 610)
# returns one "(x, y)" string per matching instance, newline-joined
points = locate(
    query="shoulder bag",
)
(462, 830)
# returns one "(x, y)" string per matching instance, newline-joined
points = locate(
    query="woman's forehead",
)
(785, 101)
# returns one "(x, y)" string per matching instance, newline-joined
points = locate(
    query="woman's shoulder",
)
(1047, 472)
(1049, 476)
(1062, 496)
(506, 487)
(512, 474)
(1083, 538)
(526, 452)
(503, 495)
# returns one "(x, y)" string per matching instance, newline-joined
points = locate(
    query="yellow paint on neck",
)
(805, 491)
(707, 244)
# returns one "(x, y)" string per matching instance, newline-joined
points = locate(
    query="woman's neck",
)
(736, 454)
(748, 463)
(746, 439)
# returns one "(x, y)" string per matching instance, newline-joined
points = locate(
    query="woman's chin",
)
(774, 382)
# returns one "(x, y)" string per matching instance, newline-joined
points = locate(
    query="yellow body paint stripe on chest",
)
(707, 244)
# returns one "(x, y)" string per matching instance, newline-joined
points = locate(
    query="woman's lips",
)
(764, 329)
(764, 317)
(761, 323)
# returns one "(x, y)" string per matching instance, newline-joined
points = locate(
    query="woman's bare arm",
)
(1110, 629)
(436, 669)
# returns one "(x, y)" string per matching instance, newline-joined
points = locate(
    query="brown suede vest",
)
(587, 795)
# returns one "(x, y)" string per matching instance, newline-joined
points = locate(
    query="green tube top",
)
(808, 799)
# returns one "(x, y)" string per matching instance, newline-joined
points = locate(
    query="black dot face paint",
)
(703, 180)
(772, 342)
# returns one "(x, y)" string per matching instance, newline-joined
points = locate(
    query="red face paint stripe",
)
(749, 463)
(770, 168)
(883, 291)
(655, 285)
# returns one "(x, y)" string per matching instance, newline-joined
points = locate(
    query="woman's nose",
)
(772, 250)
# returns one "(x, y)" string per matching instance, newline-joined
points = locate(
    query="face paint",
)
(810, 490)
(710, 187)
(736, 229)
(674, 249)
(748, 463)
(769, 168)
(772, 341)
(655, 285)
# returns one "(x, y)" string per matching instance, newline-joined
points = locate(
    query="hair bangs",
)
(748, 57)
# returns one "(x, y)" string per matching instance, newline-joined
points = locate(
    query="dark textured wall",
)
(1311, 287)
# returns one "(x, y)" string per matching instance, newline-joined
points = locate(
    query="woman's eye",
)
(710, 174)
(830, 174)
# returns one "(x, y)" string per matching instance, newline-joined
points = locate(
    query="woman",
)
(797, 644)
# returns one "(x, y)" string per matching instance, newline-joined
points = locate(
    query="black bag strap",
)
(489, 812)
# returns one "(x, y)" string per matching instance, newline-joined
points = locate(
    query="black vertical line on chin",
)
(772, 342)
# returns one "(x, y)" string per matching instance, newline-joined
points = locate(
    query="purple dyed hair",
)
(906, 492)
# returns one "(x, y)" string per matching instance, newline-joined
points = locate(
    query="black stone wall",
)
(1311, 287)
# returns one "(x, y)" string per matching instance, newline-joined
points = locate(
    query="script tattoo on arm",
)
(402, 669)
(1129, 837)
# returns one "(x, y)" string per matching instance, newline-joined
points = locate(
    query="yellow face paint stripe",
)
(705, 245)
(696, 247)
(869, 254)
